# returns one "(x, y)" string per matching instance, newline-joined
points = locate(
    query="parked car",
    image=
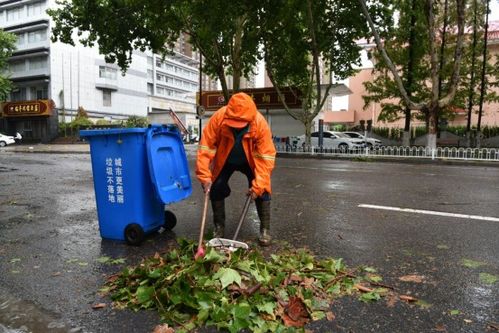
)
(332, 140)
(6, 140)
(370, 142)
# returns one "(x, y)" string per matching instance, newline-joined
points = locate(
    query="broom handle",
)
(203, 220)
(243, 215)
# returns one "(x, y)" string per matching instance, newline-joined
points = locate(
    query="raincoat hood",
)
(240, 111)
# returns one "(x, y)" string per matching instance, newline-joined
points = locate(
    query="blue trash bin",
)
(137, 171)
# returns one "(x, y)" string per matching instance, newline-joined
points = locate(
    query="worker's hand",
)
(252, 194)
(206, 187)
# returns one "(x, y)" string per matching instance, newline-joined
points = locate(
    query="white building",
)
(63, 78)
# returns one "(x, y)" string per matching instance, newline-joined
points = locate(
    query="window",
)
(20, 39)
(17, 66)
(158, 63)
(149, 61)
(39, 92)
(106, 97)
(160, 91)
(37, 36)
(36, 8)
(14, 13)
(38, 63)
(149, 74)
(159, 77)
(107, 72)
(150, 88)
(18, 94)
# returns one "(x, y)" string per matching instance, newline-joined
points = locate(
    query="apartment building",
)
(53, 80)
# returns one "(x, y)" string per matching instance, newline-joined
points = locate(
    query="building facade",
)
(66, 78)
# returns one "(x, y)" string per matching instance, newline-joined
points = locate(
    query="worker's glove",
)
(206, 187)
(252, 194)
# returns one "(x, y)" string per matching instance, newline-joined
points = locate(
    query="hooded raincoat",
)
(218, 139)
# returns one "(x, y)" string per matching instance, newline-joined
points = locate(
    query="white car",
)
(371, 142)
(332, 140)
(6, 140)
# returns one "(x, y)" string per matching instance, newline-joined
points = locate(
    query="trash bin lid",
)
(168, 165)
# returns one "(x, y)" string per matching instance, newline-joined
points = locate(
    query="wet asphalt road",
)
(49, 241)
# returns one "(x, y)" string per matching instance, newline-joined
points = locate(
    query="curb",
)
(370, 159)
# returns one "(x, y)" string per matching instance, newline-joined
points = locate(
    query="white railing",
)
(451, 153)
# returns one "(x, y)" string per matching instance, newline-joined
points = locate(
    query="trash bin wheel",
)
(134, 234)
(170, 220)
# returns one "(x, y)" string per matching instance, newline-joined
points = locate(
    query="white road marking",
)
(431, 212)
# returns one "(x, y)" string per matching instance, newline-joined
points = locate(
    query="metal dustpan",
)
(232, 244)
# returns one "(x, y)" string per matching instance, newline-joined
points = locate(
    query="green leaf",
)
(82, 263)
(118, 261)
(318, 315)
(488, 278)
(144, 294)
(14, 260)
(472, 263)
(267, 307)
(213, 255)
(103, 260)
(454, 312)
(370, 269)
(228, 276)
(442, 247)
(241, 310)
(155, 274)
(369, 297)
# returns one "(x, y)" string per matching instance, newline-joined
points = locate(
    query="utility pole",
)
(199, 111)
(484, 66)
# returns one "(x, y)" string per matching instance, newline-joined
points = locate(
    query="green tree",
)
(407, 47)
(222, 30)
(442, 90)
(310, 44)
(7, 46)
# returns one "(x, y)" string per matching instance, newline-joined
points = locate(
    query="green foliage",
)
(7, 46)
(236, 291)
(119, 27)
(136, 121)
(102, 122)
(309, 44)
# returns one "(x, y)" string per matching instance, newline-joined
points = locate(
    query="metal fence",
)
(450, 153)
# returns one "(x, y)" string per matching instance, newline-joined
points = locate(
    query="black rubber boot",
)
(263, 209)
(218, 208)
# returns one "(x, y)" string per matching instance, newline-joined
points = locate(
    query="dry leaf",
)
(56, 274)
(440, 328)
(99, 306)
(412, 278)
(163, 329)
(362, 288)
(407, 298)
(391, 299)
(467, 321)
(493, 326)
(295, 314)
(330, 316)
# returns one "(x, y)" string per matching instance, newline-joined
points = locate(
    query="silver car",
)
(332, 140)
(370, 142)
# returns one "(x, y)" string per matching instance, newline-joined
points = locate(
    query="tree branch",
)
(391, 66)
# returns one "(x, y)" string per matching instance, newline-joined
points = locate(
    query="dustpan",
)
(232, 244)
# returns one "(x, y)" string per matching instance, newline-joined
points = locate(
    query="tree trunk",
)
(432, 130)
(308, 132)
(236, 55)
(472, 78)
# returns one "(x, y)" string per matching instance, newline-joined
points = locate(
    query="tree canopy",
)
(7, 46)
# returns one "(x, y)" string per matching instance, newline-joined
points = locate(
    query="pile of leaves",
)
(239, 290)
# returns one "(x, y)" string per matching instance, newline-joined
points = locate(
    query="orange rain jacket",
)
(218, 139)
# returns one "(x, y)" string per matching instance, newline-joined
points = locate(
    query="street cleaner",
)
(237, 138)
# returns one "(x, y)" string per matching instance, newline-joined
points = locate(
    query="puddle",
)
(17, 316)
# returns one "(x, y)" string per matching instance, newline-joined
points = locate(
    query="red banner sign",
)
(264, 98)
(28, 108)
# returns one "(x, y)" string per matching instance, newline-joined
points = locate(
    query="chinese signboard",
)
(264, 98)
(114, 183)
(28, 108)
